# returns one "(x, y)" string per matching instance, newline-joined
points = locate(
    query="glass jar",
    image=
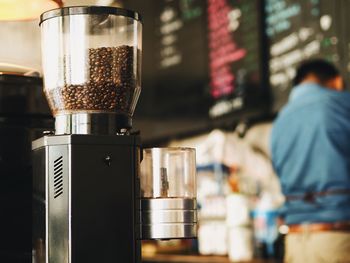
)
(91, 59)
(168, 207)
(168, 173)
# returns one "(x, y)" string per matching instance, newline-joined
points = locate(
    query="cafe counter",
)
(163, 258)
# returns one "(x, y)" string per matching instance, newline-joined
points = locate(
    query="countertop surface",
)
(202, 259)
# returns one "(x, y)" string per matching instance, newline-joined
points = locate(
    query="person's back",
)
(311, 154)
(310, 145)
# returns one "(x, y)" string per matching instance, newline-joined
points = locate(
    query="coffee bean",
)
(110, 87)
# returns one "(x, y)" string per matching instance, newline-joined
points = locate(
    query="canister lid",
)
(87, 10)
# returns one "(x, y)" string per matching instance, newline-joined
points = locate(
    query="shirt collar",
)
(303, 89)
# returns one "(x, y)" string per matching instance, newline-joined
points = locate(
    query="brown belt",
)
(317, 227)
(311, 196)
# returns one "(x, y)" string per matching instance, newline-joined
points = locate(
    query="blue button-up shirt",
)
(310, 147)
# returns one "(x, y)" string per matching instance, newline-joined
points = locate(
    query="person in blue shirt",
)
(310, 151)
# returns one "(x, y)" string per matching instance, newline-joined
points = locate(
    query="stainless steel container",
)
(168, 193)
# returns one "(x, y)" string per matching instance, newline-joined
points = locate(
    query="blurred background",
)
(214, 75)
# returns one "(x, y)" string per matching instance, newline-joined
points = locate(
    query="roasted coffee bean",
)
(110, 87)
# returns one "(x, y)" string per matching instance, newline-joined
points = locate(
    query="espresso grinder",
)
(91, 202)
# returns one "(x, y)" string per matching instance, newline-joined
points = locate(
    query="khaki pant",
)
(317, 247)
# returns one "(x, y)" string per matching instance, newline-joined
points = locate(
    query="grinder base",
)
(167, 218)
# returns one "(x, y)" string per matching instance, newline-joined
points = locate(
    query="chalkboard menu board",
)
(180, 58)
(236, 56)
(210, 60)
(298, 30)
(203, 61)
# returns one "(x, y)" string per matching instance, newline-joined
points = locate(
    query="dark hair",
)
(322, 69)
